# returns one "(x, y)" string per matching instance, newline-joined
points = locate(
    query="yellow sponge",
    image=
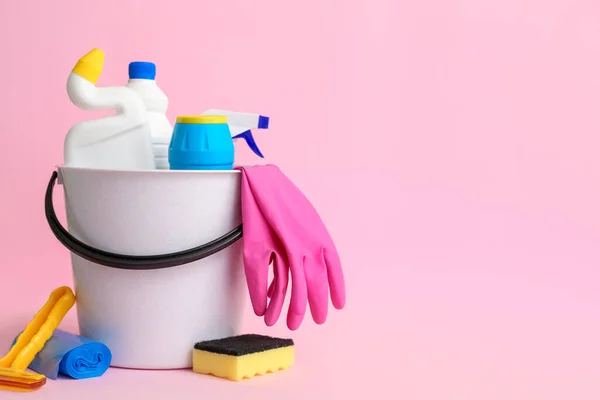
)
(243, 356)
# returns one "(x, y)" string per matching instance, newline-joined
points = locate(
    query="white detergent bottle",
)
(122, 141)
(142, 79)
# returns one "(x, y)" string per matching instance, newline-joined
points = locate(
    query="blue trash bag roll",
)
(71, 355)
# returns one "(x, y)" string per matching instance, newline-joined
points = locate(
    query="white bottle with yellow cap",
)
(120, 142)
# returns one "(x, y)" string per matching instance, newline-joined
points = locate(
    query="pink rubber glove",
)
(261, 247)
(310, 253)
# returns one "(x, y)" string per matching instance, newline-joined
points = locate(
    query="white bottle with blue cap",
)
(142, 79)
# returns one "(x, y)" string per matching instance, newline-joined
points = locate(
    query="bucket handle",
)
(122, 261)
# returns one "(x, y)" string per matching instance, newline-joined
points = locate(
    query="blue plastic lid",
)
(142, 70)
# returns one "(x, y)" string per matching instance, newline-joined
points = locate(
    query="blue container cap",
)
(142, 70)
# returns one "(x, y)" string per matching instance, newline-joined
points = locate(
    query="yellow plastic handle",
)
(39, 330)
(20, 381)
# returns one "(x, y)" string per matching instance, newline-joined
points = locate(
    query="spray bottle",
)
(241, 125)
(122, 141)
(205, 142)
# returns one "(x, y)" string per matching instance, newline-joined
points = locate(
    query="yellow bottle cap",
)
(89, 67)
(201, 119)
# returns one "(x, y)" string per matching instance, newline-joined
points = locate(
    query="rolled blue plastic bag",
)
(71, 355)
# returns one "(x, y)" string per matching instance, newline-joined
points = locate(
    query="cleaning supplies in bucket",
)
(130, 297)
(119, 142)
(142, 80)
(281, 225)
(71, 355)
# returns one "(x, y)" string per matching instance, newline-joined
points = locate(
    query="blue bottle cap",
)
(142, 70)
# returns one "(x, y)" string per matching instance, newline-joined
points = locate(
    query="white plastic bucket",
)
(151, 318)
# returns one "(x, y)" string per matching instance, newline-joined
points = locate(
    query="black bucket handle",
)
(123, 261)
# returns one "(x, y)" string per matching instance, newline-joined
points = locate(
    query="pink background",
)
(451, 147)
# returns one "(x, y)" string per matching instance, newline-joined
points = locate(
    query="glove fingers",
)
(278, 290)
(256, 254)
(299, 294)
(335, 276)
(318, 293)
(256, 267)
(271, 286)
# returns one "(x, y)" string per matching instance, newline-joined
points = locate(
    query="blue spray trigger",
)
(247, 136)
